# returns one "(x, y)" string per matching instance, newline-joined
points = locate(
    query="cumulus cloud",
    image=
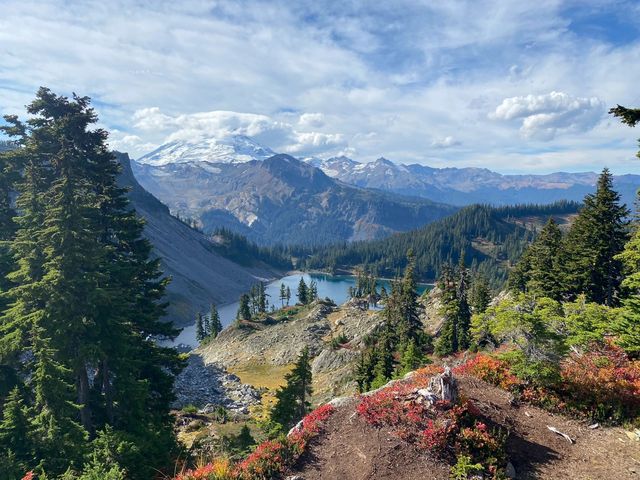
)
(313, 120)
(445, 142)
(337, 76)
(276, 134)
(544, 116)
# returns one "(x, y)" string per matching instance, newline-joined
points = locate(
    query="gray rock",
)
(510, 471)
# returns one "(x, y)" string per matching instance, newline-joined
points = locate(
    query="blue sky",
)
(508, 85)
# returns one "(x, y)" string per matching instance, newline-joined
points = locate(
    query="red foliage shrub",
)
(267, 460)
(29, 476)
(491, 370)
(270, 458)
(603, 382)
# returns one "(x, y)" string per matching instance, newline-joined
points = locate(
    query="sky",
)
(514, 86)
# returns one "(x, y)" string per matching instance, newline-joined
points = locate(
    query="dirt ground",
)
(350, 449)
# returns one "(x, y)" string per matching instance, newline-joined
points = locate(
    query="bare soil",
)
(350, 449)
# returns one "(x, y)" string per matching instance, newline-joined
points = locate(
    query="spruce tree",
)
(288, 296)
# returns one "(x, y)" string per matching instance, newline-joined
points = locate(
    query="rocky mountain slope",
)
(258, 351)
(464, 186)
(281, 200)
(199, 275)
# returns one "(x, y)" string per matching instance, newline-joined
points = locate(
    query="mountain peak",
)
(234, 149)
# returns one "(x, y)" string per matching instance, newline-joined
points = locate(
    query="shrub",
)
(603, 382)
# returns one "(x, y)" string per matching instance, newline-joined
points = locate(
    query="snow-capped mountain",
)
(235, 149)
(464, 186)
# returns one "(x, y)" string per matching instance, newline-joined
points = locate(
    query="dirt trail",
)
(350, 449)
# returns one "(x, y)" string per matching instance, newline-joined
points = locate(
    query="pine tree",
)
(313, 291)
(288, 296)
(201, 332)
(597, 235)
(447, 342)
(215, 325)
(303, 292)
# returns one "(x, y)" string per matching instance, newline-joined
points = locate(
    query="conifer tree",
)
(411, 358)
(540, 271)
(15, 437)
(628, 325)
(292, 402)
(215, 325)
(85, 299)
(244, 311)
(283, 294)
(303, 292)
(479, 294)
(288, 296)
(409, 323)
(597, 235)
(201, 332)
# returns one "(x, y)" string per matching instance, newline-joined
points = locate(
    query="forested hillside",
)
(490, 239)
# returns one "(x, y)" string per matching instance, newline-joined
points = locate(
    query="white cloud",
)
(313, 120)
(334, 76)
(276, 134)
(544, 116)
(445, 142)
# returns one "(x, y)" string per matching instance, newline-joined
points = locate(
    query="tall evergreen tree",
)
(597, 235)
(628, 325)
(292, 402)
(201, 332)
(283, 294)
(539, 271)
(244, 311)
(303, 292)
(215, 325)
(85, 299)
(288, 296)
(479, 294)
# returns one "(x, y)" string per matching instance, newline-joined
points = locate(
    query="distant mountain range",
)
(242, 185)
(279, 199)
(465, 186)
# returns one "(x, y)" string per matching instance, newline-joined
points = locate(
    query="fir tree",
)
(479, 294)
(215, 325)
(597, 235)
(411, 358)
(288, 296)
(303, 292)
(283, 294)
(85, 300)
(201, 332)
(539, 271)
(244, 311)
(292, 402)
(628, 325)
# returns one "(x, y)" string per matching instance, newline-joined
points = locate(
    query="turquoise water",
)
(336, 287)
